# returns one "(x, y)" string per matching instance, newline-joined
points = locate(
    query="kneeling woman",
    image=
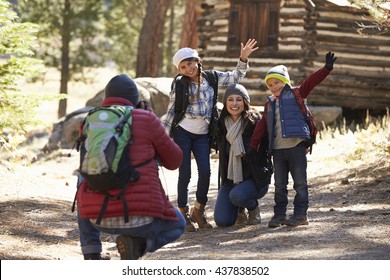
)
(244, 175)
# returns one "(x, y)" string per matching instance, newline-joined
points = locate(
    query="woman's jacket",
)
(255, 164)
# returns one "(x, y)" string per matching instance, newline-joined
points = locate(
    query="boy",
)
(287, 131)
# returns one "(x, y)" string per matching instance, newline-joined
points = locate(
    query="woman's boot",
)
(190, 227)
(254, 217)
(198, 216)
(242, 217)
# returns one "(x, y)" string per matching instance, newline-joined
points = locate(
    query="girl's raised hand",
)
(247, 49)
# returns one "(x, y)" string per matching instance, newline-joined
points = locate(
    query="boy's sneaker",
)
(130, 248)
(295, 221)
(277, 221)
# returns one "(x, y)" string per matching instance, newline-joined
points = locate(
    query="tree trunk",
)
(64, 58)
(189, 34)
(170, 49)
(151, 38)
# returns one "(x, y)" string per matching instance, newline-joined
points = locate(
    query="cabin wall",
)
(361, 78)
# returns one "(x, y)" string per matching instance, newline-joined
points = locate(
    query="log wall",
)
(361, 78)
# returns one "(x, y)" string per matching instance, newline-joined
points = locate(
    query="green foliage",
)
(123, 24)
(102, 32)
(86, 31)
(17, 109)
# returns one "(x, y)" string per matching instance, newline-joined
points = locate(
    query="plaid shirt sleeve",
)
(224, 79)
(167, 119)
(232, 77)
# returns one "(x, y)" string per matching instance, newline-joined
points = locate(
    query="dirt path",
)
(349, 213)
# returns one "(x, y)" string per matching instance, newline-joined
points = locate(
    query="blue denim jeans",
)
(199, 146)
(157, 233)
(291, 160)
(89, 235)
(233, 197)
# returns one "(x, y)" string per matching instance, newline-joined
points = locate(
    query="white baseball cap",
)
(182, 54)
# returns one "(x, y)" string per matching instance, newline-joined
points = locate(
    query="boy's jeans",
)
(291, 160)
(231, 198)
(157, 233)
(199, 146)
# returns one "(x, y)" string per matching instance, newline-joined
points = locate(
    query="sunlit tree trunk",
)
(64, 58)
(151, 38)
(189, 35)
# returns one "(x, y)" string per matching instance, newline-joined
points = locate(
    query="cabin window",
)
(258, 19)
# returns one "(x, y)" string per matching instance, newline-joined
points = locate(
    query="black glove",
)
(330, 59)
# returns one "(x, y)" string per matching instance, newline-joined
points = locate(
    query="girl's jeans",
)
(199, 146)
(231, 198)
(291, 160)
(157, 233)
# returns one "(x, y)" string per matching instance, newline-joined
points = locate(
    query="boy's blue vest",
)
(293, 123)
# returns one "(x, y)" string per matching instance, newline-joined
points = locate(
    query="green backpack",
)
(104, 148)
(104, 143)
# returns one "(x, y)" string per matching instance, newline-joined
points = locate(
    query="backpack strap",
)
(120, 196)
(300, 101)
(119, 127)
(212, 77)
(307, 115)
(180, 85)
(107, 198)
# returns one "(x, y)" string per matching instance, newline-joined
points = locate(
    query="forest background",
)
(77, 41)
(76, 37)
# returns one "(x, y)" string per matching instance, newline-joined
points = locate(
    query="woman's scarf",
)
(237, 149)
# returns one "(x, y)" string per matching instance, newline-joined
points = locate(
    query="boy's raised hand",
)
(330, 59)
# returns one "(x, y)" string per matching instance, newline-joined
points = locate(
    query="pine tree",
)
(17, 109)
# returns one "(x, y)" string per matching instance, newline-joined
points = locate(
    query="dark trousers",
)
(292, 160)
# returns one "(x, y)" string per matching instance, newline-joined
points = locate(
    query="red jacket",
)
(146, 197)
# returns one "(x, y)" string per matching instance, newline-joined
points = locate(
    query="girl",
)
(190, 112)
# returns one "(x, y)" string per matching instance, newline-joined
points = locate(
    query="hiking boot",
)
(130, 248)
(198, 216)
(277, 221)
(241, 217)
(254, 217)
(190, 226)
(295, 221)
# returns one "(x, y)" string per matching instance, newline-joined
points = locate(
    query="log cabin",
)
(298, 34)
